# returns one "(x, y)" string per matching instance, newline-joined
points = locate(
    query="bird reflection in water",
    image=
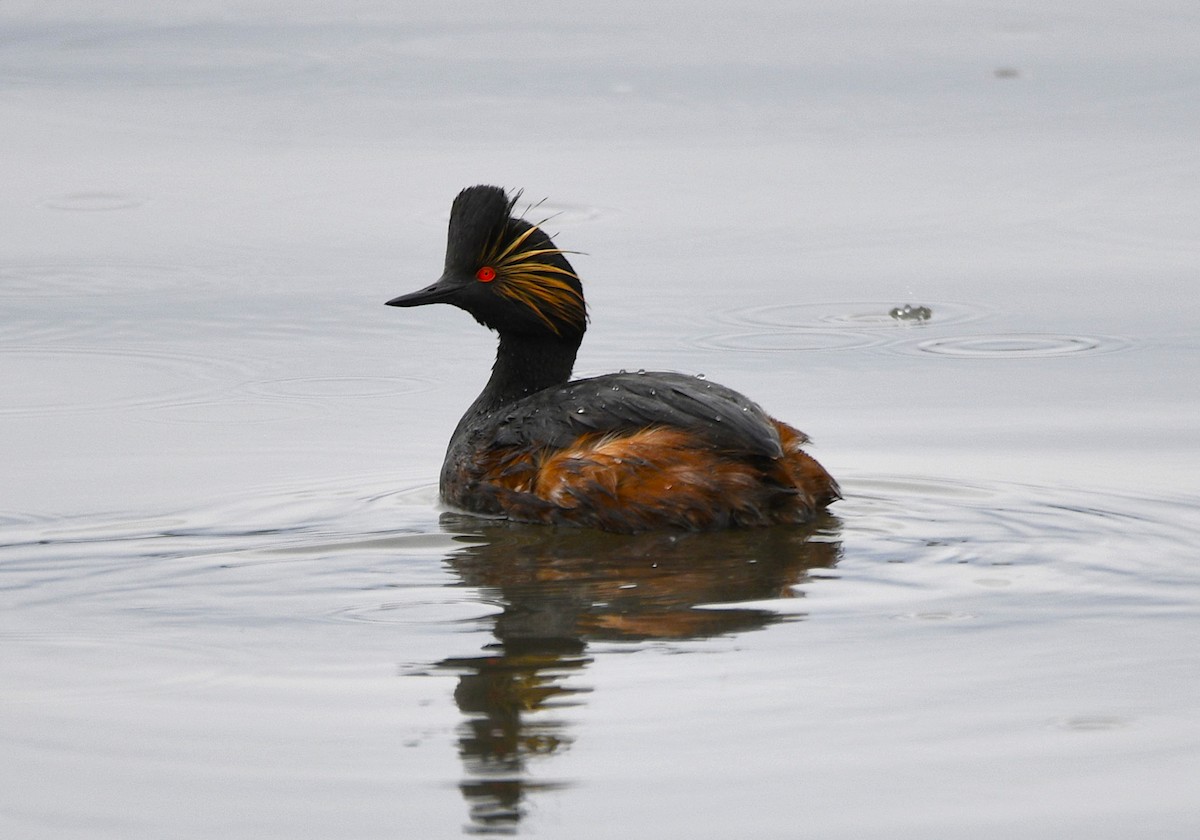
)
(561, 589)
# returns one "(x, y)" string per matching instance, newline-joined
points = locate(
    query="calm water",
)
(231, 606)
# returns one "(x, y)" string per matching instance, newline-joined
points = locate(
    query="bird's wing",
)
(628, 402)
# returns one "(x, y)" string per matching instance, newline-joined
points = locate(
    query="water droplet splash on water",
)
(911, 314)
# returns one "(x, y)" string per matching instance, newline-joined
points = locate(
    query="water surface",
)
(231, 604)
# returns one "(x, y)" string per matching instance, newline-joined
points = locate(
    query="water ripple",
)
(804, 340)
(92, 201)
(854, 315)
(85, 282)
(339, 387)
(69, 380)
(272, 400)
(1087, 542)
(1015, 345)
(134, 666)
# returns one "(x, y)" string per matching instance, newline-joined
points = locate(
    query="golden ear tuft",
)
(526, 277)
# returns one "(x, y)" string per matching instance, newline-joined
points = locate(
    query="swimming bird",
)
(625, 452)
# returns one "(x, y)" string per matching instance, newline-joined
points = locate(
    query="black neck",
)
(525, 365)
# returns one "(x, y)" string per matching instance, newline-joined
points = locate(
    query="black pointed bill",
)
(439, 292)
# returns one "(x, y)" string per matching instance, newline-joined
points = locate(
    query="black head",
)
(505, 271)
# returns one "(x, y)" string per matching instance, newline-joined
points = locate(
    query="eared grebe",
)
(623, 452)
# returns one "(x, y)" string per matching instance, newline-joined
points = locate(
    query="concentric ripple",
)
(803, 340)
(85, 282)
(1015, 345)
(340, 386)
(857, 315)
(92, 201)
(85, 379)
(137, 666)
(1063, 531)
(272, 400)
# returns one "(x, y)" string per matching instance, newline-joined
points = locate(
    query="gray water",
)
(232, 606)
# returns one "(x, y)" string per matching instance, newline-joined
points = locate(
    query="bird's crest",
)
(515, 258)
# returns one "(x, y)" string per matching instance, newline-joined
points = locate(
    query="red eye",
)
(486, 274)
